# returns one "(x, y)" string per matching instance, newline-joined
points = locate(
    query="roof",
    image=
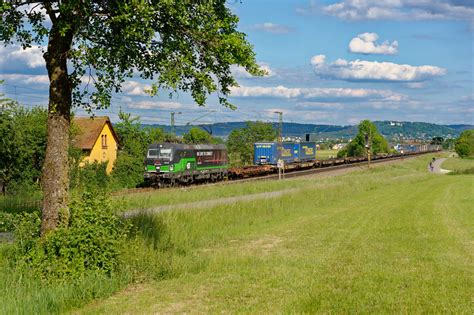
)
(89, 130)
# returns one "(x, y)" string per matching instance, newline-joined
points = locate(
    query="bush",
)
(127, 172)
(6, 222)
(465, 144)
(463, 149)
(91, 241)
(91, 176)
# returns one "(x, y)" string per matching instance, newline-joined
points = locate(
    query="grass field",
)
(326, 154)
(390, 240)
(457, 164)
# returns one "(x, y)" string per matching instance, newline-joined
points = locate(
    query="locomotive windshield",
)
(153, 153)
(165, 154)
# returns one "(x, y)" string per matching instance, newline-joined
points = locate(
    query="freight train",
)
(169, 164)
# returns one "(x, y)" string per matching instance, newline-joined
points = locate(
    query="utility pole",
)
(368, 146)
(281, 165)
(172, 121)
(280, 127)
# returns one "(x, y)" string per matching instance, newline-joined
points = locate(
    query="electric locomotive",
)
(169, 164)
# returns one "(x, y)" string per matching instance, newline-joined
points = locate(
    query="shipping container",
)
(268, 152)
(306, 151)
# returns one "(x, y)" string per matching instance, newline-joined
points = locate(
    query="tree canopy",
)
(240, 141)
(22, 146)
(367, 135)
(180, 45)
(196, 135)
(465, 144)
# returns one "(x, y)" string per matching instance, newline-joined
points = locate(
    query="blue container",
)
(306, 151)
(268, 153)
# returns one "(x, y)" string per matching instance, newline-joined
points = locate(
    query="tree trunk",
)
(55, 179)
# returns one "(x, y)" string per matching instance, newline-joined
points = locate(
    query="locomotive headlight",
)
(171, 167)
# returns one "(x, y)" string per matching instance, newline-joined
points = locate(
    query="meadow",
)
(458, 164)
(326, 154)
(392, 239)
(395, 238)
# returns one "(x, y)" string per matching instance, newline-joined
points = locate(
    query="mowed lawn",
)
(393, 239)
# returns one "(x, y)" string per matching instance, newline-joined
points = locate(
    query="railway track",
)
(292, 174)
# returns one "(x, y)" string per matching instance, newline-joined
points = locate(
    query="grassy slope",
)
(458, 163)
(397, 239)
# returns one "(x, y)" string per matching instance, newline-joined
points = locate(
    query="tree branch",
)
(50, 11)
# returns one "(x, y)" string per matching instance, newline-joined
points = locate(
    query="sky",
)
(327, 62)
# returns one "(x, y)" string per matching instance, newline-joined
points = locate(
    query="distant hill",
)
(390, 129)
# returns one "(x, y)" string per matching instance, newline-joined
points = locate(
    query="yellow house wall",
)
(100, 154)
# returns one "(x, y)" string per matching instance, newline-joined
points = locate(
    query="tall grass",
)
(392, 239)
(23, 294)
(389, 240)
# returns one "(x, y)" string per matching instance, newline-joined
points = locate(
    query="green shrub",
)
(6, 222)
(91, 176)
(91, 241)
(465, 144)
(128, 171)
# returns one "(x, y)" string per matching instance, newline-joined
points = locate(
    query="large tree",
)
(367, 135)
(92, 46)
(240, 142)
(465, 144)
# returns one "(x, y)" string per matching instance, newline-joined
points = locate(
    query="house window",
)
(104, 141)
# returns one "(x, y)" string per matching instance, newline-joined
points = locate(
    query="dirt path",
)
(437, 166)
(211, 203)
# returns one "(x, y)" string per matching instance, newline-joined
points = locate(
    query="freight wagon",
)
(290, 152)
(167, 164)
(415, 148)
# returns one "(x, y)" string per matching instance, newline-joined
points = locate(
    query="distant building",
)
(339, 146)
(396, 123)
(97, 140)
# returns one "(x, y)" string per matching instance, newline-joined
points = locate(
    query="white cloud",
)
(135, 88)
(312, 93)
(401, 9)
(366, 44)
(25, 79)
(318, 60)
(373, 70)
(272, 28)
(325, 105)
(32, 57)
(240, 72)
(155, 105)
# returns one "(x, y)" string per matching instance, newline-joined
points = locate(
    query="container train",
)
(169, 164)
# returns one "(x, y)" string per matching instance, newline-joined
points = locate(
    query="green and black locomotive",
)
(169, 164)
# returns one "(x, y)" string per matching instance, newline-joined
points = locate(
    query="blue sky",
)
(328, 62)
